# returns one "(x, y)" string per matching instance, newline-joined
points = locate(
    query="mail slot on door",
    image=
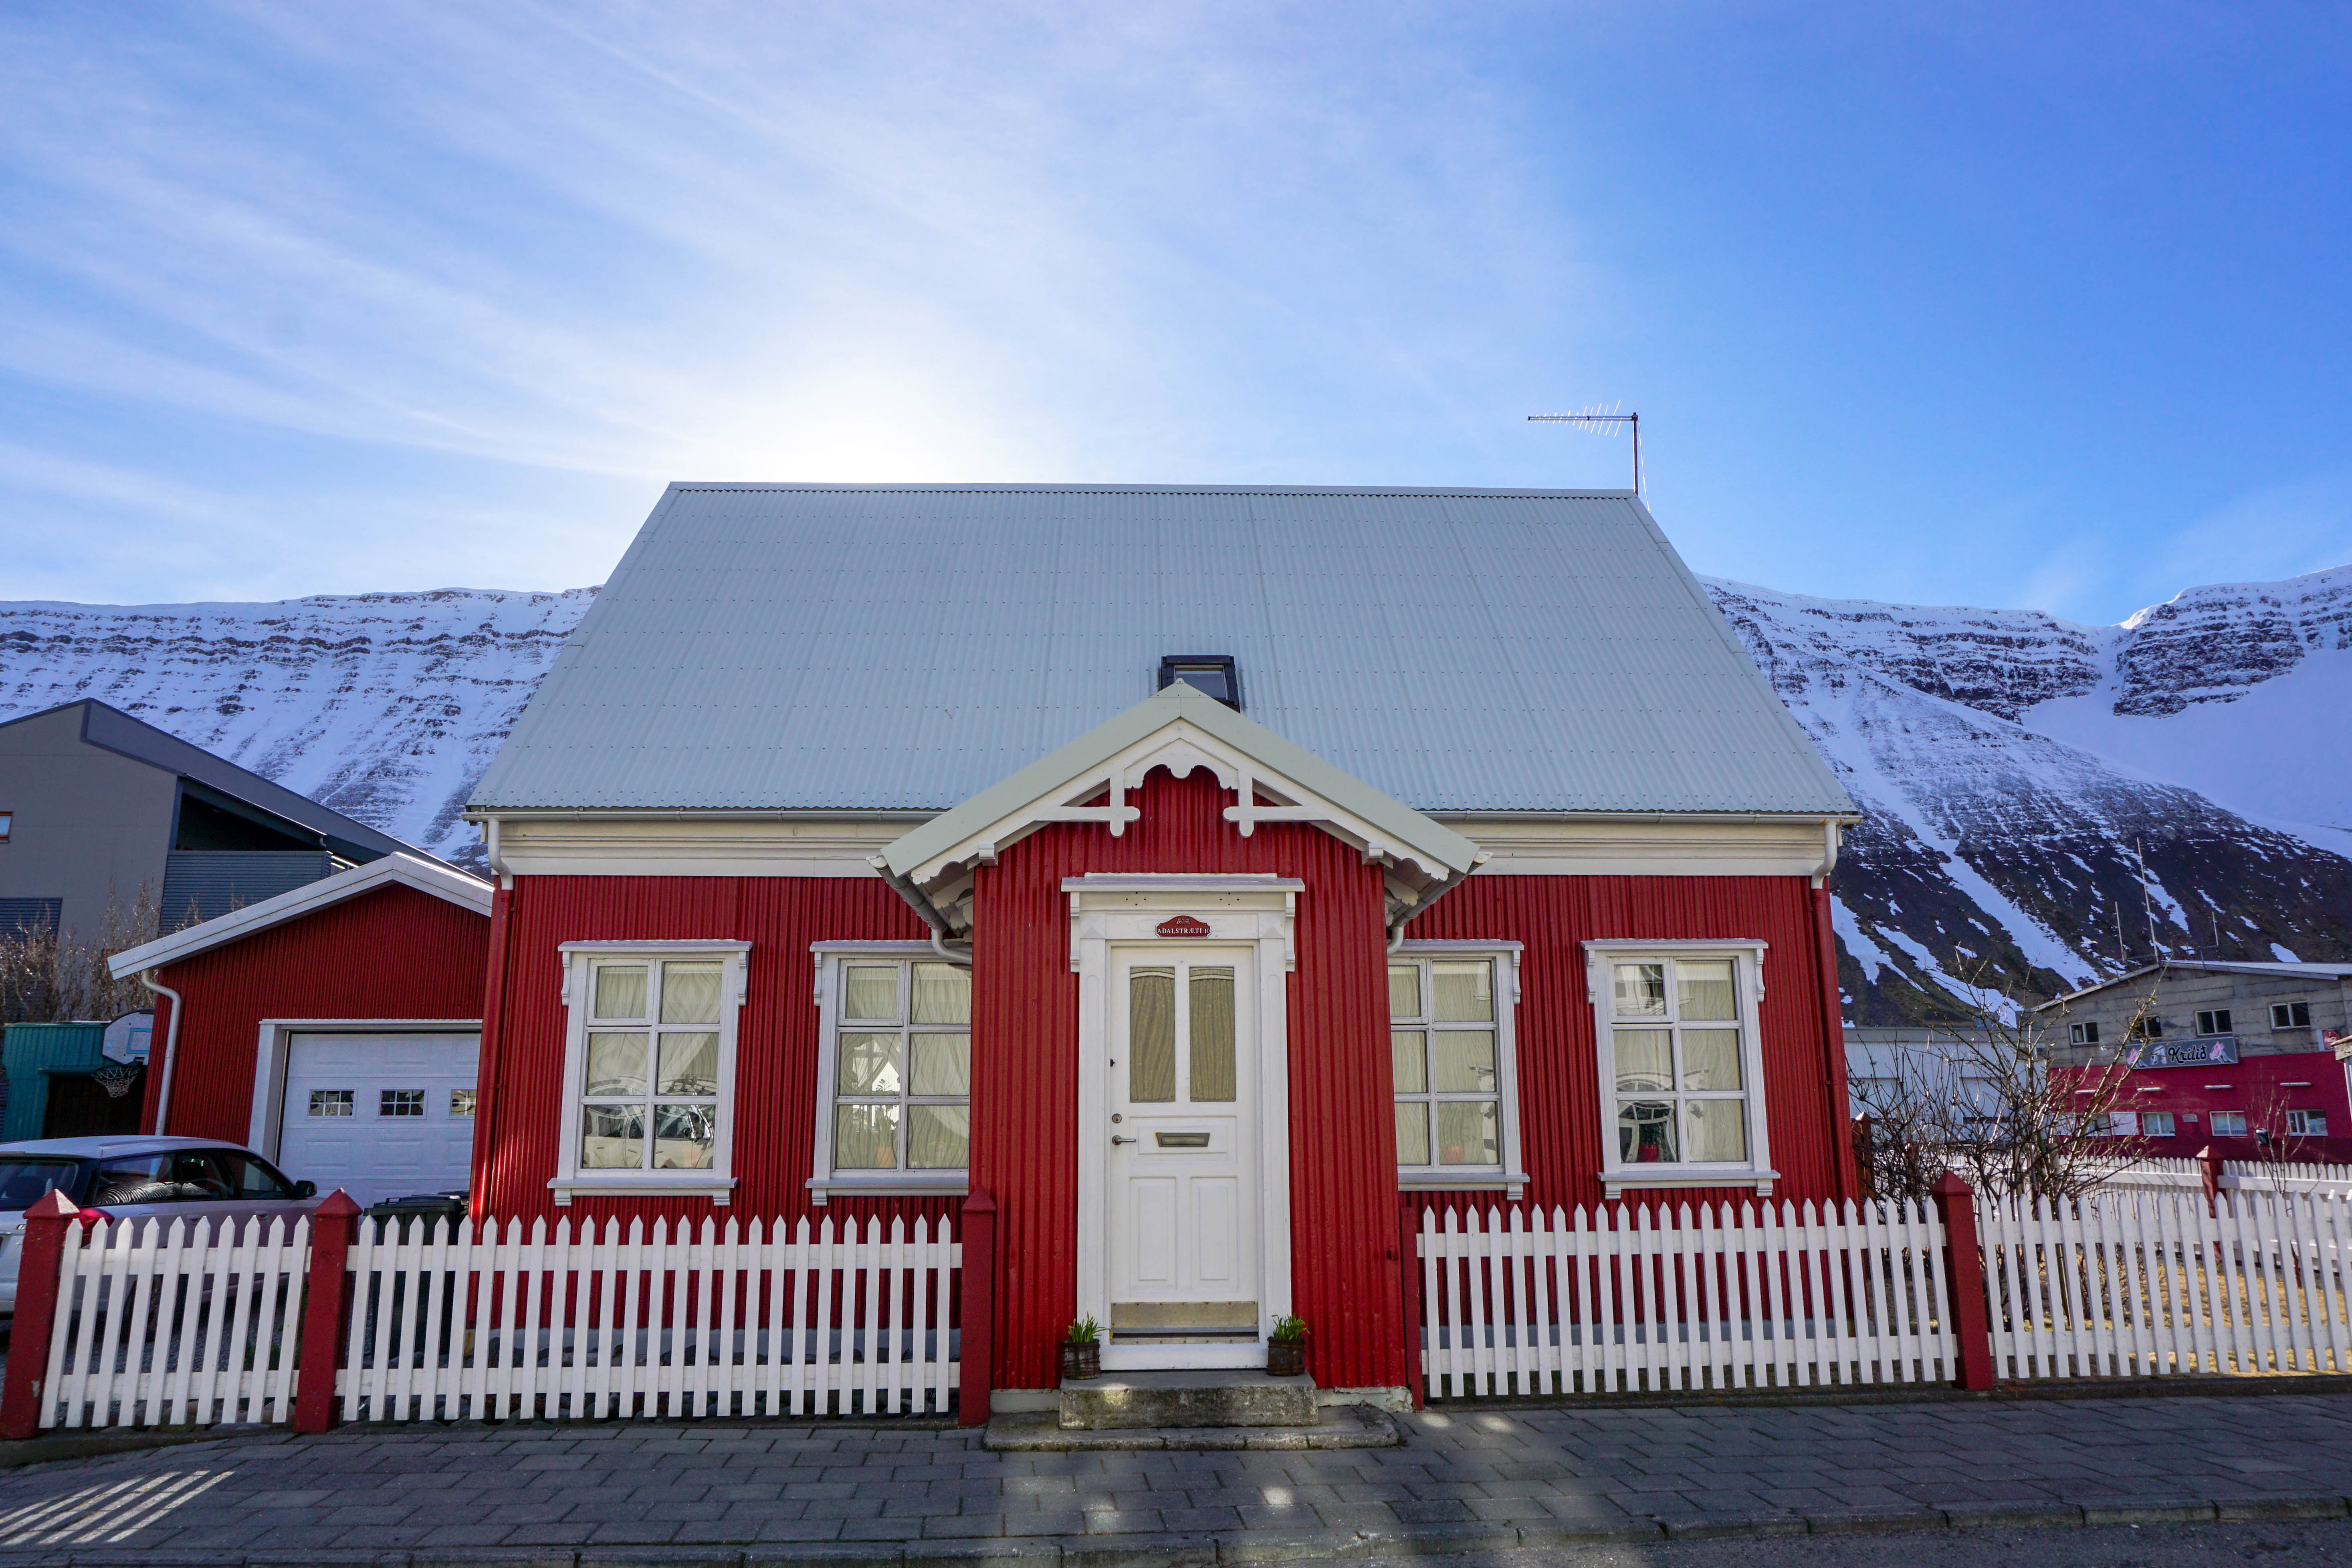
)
(1181, 1140)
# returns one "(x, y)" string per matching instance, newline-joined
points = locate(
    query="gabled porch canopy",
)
(1178, 729)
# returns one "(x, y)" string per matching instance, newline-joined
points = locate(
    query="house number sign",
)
(1183, 925)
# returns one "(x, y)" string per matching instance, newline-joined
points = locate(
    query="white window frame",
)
(2306, 1130)
(2083, 1034)
(824, 1181)
(2238, 1116)
(1509, 1177)
(2171, 1127)
(1747, 959)
(2206, 1016)
(717, 1184)
(2283, 1014)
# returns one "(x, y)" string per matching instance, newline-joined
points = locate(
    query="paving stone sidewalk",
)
(1467, 1480)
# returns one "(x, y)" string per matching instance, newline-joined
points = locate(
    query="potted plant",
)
(1285, 1351)
(1082, 1349)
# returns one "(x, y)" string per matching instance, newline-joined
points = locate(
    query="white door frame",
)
(1128, 909)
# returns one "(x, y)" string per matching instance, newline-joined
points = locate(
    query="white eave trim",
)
(1182, 728)
(426, 877)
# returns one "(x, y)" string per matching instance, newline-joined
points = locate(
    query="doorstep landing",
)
(1341, 1427)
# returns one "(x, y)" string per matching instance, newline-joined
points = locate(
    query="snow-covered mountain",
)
(2014, 770)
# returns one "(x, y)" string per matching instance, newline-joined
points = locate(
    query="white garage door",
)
(380, 1116)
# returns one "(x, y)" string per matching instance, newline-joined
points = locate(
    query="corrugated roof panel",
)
(837, 646)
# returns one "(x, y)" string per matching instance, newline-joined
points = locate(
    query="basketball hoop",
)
(116, 1078)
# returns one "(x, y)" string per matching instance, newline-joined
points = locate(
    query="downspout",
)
(1396, 927)
(922, 907)
(170, 1051)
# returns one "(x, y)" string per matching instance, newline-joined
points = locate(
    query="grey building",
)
(2239, 1056)
(1880, 1059)
(95, 805)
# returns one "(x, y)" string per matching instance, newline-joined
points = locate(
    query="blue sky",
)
(2023, 306)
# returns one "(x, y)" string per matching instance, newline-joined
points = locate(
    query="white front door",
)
(1181, 1172)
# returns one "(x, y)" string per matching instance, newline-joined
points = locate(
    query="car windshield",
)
(23, 1180)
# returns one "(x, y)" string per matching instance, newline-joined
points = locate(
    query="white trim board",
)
(426, 877)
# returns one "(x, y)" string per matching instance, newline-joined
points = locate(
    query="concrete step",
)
(1343, 1426)
(1134, 1400)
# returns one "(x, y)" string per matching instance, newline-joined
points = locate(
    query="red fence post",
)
(979, 1308)
(1956, 1205)
(37, 1314)
(326, 1309)
(1408, 1256)
(2209, 1164)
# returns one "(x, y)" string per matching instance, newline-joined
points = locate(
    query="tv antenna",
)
(1601, 421)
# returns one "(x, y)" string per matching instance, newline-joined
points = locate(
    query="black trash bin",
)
(415, 1208)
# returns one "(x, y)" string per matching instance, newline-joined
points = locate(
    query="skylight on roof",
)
(1210, 674)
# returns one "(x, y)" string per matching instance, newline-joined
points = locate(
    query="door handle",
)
(1117, 1138)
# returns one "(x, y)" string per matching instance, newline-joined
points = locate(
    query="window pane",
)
(1412, 1132)
(245, 1178)
(616, 1065)
(1718, 1128)
(1711, 1059)
(870, 1064)
(864, 1137)
(1466, 1133)
(869, 991)
(1641, 990)
(331, 1102)
(943, 994)
(1465, 992)
(620, 991)
(689, 1064)
(461, 1103)
(1404, 989)
(689, 993)
(612, 1137)
(939, 1136)
(1411, 1062)
(135, 1179)
(1645, 1063)
(1151, 1035)
(1646, 1132)
(1703, 988)
(1462, 1061)
(399, 1102)
(1212, 1032)
(686, 1137)
(943, 1065)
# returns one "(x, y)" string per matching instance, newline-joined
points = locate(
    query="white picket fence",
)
(1634, 1299)
(737, 1320)
(179, 1323)
(2237, 1176)
(2139, 1283)
(176, 1323)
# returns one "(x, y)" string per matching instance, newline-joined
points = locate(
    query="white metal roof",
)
(854, 647)
(430, 877)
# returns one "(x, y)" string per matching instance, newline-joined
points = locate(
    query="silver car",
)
(138, 1178)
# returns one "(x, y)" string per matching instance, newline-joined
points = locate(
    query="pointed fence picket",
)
(175, 1323)
(504, 1321)
(2143, 1283)
(1627, 1298)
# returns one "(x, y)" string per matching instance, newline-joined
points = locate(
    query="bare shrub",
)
(53, 977)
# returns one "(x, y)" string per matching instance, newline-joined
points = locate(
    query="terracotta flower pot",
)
(1286, 1358)
(1081, 1359)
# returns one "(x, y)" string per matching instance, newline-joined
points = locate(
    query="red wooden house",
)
(1202, 873)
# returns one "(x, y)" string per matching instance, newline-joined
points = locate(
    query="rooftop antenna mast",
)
(1601, 421)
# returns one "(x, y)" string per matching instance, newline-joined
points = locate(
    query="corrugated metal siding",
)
(871, 647)
(391, 953)
(776, 1037)
(205, 884)
(1559, 1074)
(1025, 1072)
